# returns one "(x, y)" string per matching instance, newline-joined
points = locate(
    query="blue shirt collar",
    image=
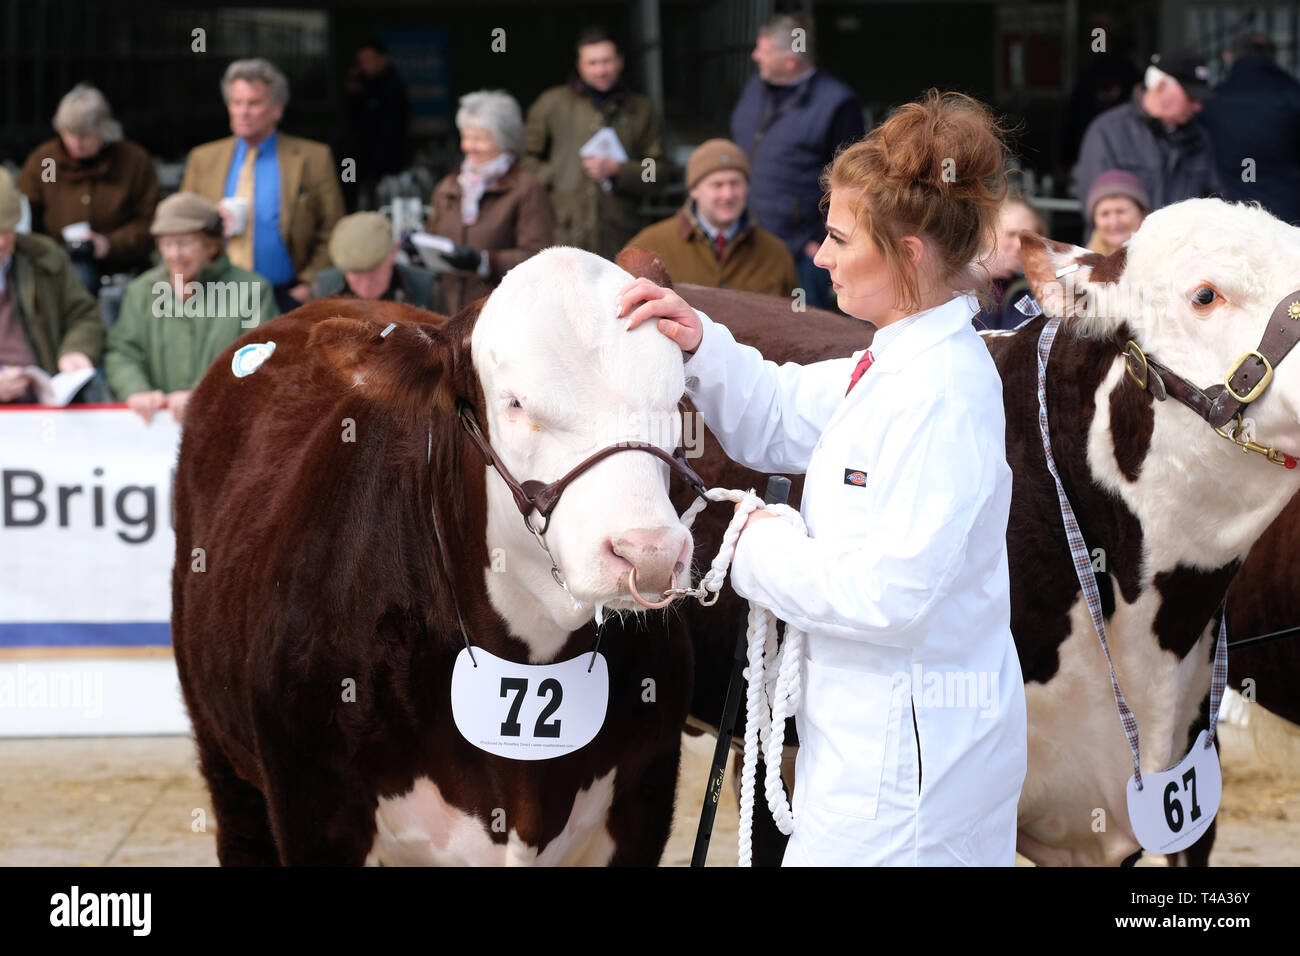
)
(265, 148)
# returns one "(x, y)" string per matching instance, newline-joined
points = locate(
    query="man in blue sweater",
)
(1254, 122)
(789, 120)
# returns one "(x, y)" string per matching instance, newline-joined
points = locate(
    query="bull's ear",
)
(1066, 279)
(407, 368)
(642, 263)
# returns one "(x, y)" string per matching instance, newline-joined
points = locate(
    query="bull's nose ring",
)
(636, 595)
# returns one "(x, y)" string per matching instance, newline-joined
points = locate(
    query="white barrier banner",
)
(86, 542)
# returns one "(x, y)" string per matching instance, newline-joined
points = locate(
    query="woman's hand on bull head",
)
(677, 320)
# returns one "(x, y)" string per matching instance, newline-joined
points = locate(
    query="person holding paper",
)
(496, 213)
(596, 145)
(47, 318)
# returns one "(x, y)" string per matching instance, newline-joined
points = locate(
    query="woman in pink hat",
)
(1116, 206)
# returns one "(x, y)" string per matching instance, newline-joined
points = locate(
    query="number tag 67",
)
(1174, 806)
(529, 711)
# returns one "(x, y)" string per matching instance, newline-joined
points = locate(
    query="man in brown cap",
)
(713, 240)
(47, 318)
(366, 266)
(178, 317)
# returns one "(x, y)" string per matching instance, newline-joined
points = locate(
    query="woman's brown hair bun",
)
(936, 168)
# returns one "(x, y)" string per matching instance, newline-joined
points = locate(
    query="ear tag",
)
(1065, 271)
(249, 359)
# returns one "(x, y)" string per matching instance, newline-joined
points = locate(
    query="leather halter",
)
(1245, 381)
(545, 496)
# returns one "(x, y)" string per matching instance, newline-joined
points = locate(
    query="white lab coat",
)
(900, 584)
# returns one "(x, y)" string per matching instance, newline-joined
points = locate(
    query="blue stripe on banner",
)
(85, 634)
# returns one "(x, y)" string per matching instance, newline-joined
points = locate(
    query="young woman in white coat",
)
(912, 724)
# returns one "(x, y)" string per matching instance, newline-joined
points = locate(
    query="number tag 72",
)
(529, 711)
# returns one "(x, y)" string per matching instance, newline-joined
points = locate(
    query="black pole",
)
(778, 491)
(1263, 638)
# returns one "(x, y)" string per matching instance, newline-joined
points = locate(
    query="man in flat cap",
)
(179, 316)
(47, 318)
(366, 266)
(713, 239)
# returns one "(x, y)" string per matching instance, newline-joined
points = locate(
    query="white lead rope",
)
(773, 678)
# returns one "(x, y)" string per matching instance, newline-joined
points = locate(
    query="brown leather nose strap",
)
(545, 496)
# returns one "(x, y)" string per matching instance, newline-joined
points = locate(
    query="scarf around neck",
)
(476, 178)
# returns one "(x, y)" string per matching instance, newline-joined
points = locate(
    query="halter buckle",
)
(1263, 383)
(1133, 350)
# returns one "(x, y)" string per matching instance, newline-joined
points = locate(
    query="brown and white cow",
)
(1170, 507)
(315, 621)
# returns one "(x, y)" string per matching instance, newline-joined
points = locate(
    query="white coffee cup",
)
(76, 232)
(238, 208)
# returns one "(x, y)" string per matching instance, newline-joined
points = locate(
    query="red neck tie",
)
(721, 242)
(864, 363)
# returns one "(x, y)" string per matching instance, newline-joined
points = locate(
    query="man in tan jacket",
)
(287, 188)
(596, 198)
(713, 239)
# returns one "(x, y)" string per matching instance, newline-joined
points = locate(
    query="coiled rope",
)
(772, 674)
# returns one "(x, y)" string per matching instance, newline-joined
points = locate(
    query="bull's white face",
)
(561, 380)
(1201, 280)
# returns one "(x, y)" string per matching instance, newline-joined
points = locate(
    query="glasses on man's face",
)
(179, 244)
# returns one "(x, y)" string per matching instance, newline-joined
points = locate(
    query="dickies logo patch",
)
(855, 477)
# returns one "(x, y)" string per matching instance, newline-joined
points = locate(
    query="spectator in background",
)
(1009, 286)
(1156, 136)
(790, 119)
(89, 174)
(713, 240)
(1116, 206)
(291, 185)
(366, 266)
(1106, 78)
(179, 316)
(596, 198)
(1255, 116)
(47, 318)
(497, 213)
(380, 117)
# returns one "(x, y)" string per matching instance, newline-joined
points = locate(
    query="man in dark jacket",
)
(380, 115)
(1156, 136)
(1254, 123)
(47, 318)
(789, 120)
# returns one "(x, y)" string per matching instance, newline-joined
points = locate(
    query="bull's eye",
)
(1204, 296)
(514, 403)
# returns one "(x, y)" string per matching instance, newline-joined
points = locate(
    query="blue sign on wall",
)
(420, 56)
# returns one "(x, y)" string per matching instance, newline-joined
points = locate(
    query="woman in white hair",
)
(90, 174)
(497, 214)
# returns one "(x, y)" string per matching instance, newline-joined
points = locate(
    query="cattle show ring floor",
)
(132, 801)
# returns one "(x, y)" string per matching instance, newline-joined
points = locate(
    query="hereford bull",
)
(1170, 507)
(335, 525)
